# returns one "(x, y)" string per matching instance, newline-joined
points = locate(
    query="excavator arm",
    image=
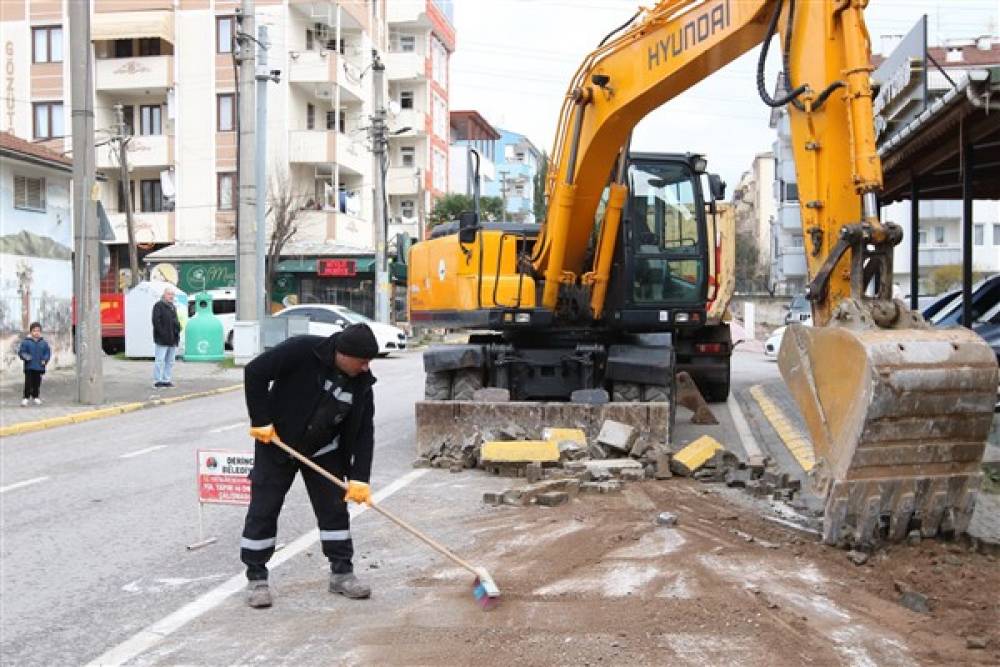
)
(898, 412)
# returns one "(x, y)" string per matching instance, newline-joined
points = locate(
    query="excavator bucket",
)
(899, 420)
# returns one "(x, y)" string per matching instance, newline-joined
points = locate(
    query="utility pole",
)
(246, 261)
(377, 134)
(420, 204)
(86, 288)
(262, 77)
(126, 184)
(503, 196)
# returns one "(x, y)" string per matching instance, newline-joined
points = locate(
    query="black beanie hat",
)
(358, 341)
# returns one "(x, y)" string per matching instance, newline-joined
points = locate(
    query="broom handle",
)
(429, 541)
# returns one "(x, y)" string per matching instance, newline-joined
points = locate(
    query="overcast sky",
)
(514, 60)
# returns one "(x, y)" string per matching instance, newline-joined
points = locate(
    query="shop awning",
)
(132, 25)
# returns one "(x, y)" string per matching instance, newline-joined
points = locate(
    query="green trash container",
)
(204, 335)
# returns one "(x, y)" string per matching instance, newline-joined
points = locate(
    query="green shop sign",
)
(196, 276)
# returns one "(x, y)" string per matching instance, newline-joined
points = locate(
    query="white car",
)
(326, 320)
(773, 342)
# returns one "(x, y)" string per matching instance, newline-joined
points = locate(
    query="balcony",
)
(792, 262)
(519, 205)
(312, 146)
(149, 227)
(401, 181)
(152, 74)
(353, 156)
(414, 119)
(319, 69)
(405, 66)
(143, 151)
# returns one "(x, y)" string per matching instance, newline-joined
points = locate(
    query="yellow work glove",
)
(359, 492)
(263, 433)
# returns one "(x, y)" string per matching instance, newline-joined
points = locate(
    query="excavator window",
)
(667, 233)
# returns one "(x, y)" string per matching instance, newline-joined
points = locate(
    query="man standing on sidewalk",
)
(315, 394)
(166, 338)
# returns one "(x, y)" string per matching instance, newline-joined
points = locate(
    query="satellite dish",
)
(394, 107)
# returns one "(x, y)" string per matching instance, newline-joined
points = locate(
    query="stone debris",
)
(618, 436)
(975, 642)
(857, 557)
(609, 486)
(552, 498)
(666, 519)
(915, 602)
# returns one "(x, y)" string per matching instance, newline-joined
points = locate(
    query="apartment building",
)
(755, 211)
(517, 162)
(169, 64)
(471, 132)
(420, 43)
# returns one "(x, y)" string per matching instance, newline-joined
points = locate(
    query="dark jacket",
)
(33, 353)
(166, 326)
(297, 371)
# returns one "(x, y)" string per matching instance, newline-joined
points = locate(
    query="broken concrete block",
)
(695, 455)
(533, 472)
(519, 451)
(597, 451)
(611, 467)
(552, 498)
(640, 447)
(571, 451)
(975, 643)
(575, 435)
(493, 498)
(616, 435)
(513, 497)
(913, 537)
(857, 557)
(609, 486)
(511, 432)
(688, 396)
(491, 395)
(632, 474)
(737, 478)
(666, 519)
(915, 602)
(422, 462)
(456, 467)
(662, 463)
(590, 397)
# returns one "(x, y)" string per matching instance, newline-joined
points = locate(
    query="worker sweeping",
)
(315, 394)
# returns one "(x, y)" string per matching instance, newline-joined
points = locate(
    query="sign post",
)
(223, 479)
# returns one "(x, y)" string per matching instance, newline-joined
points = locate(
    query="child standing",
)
(35, 353)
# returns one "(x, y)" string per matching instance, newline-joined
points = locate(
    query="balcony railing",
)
(405, 66)
(132, 74)
(155, 150)
(312, 146)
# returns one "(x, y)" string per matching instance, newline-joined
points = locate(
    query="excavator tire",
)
(899, 420)
(465, 384)
(437, 386)
(626, 392)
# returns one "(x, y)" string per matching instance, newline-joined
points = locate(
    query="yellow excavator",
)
(898, 412)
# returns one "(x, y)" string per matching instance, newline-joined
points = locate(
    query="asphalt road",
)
(96, 517)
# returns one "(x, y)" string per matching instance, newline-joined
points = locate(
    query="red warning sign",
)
(224, 477)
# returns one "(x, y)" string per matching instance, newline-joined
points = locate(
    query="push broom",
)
(483, 588)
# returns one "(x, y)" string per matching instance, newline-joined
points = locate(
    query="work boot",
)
(258, 594)
(349, 586)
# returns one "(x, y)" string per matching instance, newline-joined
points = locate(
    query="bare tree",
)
(284, 203)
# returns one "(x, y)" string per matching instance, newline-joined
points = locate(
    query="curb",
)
(89, 415)
(797, 444)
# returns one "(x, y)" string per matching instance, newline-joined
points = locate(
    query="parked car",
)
(799, 311)
(773, 342)
(223, 307)
(325, 320)
(985, 296)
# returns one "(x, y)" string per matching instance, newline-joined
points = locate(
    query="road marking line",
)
(140, 452)
(797, 444)
(155, 633)
(230, 427)
(27, 482)
(750, 445)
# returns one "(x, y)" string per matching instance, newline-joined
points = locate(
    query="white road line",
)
(750, 445)
(153, 634)
(230, 427)
(140, 452)
(19, 485)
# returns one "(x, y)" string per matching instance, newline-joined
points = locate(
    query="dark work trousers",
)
(272, 475)
(32, 383)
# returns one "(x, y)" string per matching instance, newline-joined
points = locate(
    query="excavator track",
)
(899, 420)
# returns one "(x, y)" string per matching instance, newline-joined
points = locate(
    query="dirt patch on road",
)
(597, 582)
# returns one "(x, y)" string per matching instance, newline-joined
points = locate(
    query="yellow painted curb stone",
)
(520, 451)
(696, 454)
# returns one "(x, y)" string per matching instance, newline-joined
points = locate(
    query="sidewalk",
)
(126, 382)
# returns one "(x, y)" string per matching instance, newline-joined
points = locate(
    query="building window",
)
(406, 99)
(224, 34)
(342, 121)
(149, 46)
(123, 48)
(310, 39)
(310, 117)
(47, 44)
(48, 120)
(977, 234)
(797, 241)
(996, 234)
(407, 156)
(439, 62)
(791, 192)
(150, 120)
(407, 208)
(408, 43)
(128, 115)
(227, 191)
(331, 120)
(440, 180)
(440, 117)
(939, 234)
(29, 193)
(226, 112)
(151, 196)
(519, 190)
(922, 237)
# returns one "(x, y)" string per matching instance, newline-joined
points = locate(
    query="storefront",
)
(307, 273)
